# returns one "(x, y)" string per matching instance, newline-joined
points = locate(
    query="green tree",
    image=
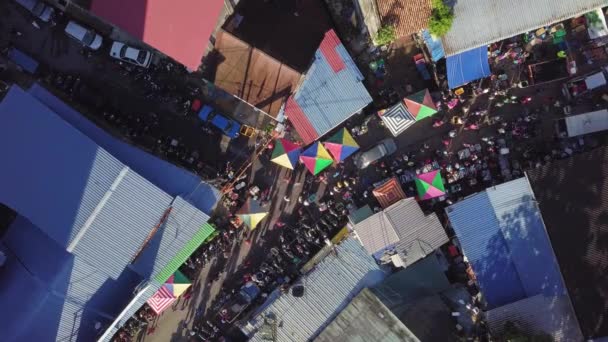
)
(441, 18)
(385, 35)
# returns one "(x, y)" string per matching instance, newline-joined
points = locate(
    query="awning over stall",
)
(468, 66)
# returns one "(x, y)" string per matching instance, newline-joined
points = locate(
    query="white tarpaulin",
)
(595, 80)
(587, 123)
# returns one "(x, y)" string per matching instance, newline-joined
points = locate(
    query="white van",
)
(87, 37)
(581, 85)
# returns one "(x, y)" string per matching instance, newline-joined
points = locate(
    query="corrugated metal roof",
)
(183, 223)
(480, 22)
(170, 178)
(402, 224)
(424, 278)
(366, 319)
(573, 198)
(328, 289)
(122, 224)
(503, 236)
(136, 303)
(327, 97)
(538, 314)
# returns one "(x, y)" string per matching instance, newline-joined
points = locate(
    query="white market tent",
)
(587, 123)
(482, 22)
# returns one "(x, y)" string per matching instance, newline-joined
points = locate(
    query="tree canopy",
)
(441, 18)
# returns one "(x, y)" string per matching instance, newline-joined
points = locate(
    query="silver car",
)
(85, 36)
(382, 149)
(130, 54)
(38, 8)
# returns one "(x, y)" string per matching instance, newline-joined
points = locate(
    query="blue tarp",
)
(23, 60)
(468, 66)
(434, 46)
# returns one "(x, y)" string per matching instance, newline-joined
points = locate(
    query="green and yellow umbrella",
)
(316, 158)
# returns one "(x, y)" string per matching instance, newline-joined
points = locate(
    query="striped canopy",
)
(285, 153)
(251, 213)
(429, 185)
(397, 118)
(161, 300)
(341, 145)
(316, 158)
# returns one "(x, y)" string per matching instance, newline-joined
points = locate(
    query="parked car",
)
(39, 9)
(86, 37)
(228, 127)
(382, 149)
(130, 54)
(584, 84)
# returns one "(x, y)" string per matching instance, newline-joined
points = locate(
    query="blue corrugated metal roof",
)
(63, 302)
(328, 98)
(170, 178)
(468, 66)
(482, 242)
(80, 198)
(434, 45)
(183, 222)
(502, 234)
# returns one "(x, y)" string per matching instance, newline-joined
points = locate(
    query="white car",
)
(86, 37)
(38, 8)
(130, 54)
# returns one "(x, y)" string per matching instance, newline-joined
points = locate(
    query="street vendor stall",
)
(251, 213)
(389, 193)
(341, 145)
(174, 287)
(429, 185)
(286, 153)
(468, 66)
(397, 118)
(420, 105)
(316, 158)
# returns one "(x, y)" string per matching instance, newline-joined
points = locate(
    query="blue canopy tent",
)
(23, 60)
(434, 45)
(468, 66)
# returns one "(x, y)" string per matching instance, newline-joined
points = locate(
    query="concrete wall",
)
(371, 17)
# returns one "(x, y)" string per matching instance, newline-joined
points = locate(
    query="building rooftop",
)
(274, 28)
(89, 216)
(408, 16)
(332, 91)
(252, 75)
(170, 178)
(366, 319)
(502, 234)
(572, 196)
(328, 289)
(403, 227)
(179, 29)
(480, 22)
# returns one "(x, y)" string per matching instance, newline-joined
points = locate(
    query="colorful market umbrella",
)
(285, 153)
(429, 185)
(316, 158)
(341, 145)
(420, 104)
(251, 213)
(161, 300)
(177, 283)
